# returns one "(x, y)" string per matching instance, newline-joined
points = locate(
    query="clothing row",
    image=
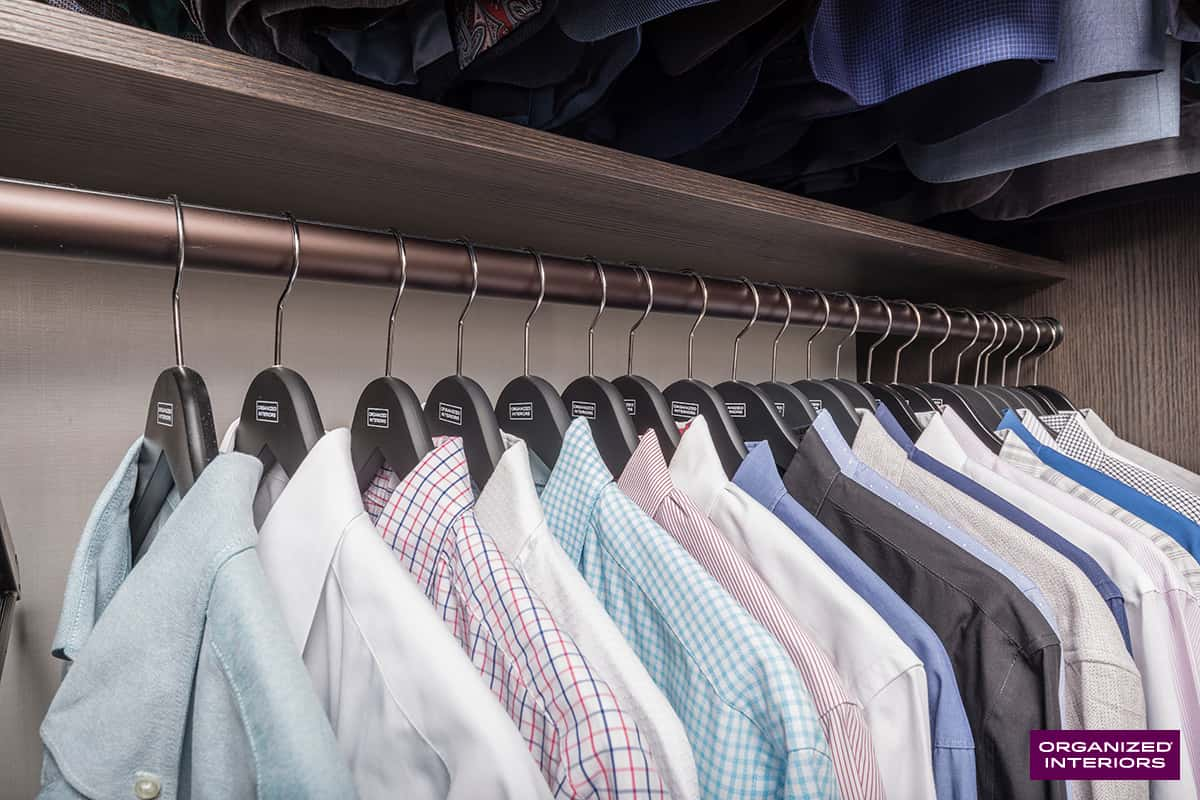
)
(1006, 108)
(887, 618)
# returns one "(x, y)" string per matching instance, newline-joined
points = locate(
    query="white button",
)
(147, 787)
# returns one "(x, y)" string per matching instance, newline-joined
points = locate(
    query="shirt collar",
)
(1034, 426)
(646, 479)
(298, 539)
(508, 507)
(937, 441)
(827, 431)
(697, 467)
(967, 441)
(892, 427)
(759, 475)
(440, 480)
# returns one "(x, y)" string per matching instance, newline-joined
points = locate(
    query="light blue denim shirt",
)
(182, 680)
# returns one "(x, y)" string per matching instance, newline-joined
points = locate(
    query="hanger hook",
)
(942, 341)
(1037, 340)
(837, 351)
(988, 348)
(462, 318)
(699, 317)
(818, 332)
(649, 307)
(1016, 347)
(1053, 341)
(753, 319)
(599, 311)
(974, 339)
(787, 299)
(175, 315)
(911, 339)
(871, 350)
(1003, 326)
(387, 371)
(287, 289)
(541, 268)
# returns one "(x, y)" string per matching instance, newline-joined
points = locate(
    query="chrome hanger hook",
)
(599, 311)
(1016, 347)
(818, 332)
(462, 318)
(837, 351)
(387, 370)
(737, 340)
(287, 289)
(942, 341)
(787, 321)
(541, 268)
(649, 307)
(911, 339)
(703, 311)
(1037, 340)
(887, 307)
(1053, 343)
(987, 359)
(974, 339)
(175, 314)
(979, 359)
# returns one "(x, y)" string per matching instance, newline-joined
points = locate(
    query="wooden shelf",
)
(104, 106)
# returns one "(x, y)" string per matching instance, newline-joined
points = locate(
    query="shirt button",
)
(147, 787)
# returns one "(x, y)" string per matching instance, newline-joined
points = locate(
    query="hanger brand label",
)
(684, 410)
(817, 405)
(164, 414)
(520, 412)
(451, 415)
(266, 411)
(378, 418)
(736, 410)
(780, 408)
(631, 406)
(878, 402)
(582, 408)
(937, 401)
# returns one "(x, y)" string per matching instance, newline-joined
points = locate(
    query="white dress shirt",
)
(1145, 606)
(409, 711)
(878, 668)
(508, 508)
(1160, 466)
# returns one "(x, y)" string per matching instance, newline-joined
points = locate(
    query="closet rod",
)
(43, 219)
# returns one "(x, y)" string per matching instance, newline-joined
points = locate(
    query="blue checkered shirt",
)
(749, 718)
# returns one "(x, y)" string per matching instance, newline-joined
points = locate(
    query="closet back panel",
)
(81, 345)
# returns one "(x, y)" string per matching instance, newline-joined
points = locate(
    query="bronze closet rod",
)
(41, 219)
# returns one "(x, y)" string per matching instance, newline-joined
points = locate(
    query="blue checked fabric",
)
(1075, 440)
(749, 718)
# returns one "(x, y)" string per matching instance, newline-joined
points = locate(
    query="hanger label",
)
(736, 410)
(582, 408)
(631, 406)
(164, 414)
(266, 411)
(684, 410)
(817, 405)
(451, 415)
(522, 412)
(780, 408)
(937, 401)
(378, 418)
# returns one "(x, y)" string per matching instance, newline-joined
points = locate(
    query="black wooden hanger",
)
(792, 404)
(643, 400)
(389, 424)
(1055, 399)
(918, 400)
(885, 394)
(598, 401)
(529, 407)
(180, 438)
(823, 395)
(753, 412)
(458, 406)
(280, 422)
(691, 398)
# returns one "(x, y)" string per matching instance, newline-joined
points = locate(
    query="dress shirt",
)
(749, 717)
(953, 745)
(1103, 685)
(1014, 514)
(587, 21)
(508, 508)
(648, 482)
(1168, 613)
(406, 704)
(1037, 439)
(1017, 454)
(580, 737)
(182, 679)
(1183, 478)
(1005, 655)
(881, 672)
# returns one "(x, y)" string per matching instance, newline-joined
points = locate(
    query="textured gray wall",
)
(81, 345)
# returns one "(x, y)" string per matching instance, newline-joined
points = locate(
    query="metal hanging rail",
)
(42, 219)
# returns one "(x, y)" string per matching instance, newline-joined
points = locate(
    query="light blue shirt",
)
(182, 674)
(953, 745)
(748, 715)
